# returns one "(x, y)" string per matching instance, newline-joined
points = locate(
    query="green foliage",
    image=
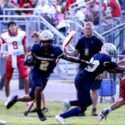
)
(14, 116)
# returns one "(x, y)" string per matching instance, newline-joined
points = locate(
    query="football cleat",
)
(26, 113)
(11, 102)
(66, 105)
(45, 110)
(2, 122)
(28, 108)
(61, 120)
(103, 114)
(8, 99)
(94, 112)
(41, 116)
(33, 110)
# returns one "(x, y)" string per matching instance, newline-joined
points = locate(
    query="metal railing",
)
(29, 20)
(116, 35)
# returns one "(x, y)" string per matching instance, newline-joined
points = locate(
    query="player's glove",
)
(85, 63)
(30, 60)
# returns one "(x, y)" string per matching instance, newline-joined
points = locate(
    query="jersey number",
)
(15, 45)
(93, 67)
(44, 65)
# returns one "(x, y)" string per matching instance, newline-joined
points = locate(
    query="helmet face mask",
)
(46, 43)
(109, 48)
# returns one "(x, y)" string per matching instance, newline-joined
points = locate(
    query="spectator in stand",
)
(15, 40)
(115, 11)
(53, 5)
(53, 11)
(7, 5)
(34, 3)
(25, 4)
(60, 24)
(41, 8)
(60, 14)
(68, 4)
(44, 9)
(92, 12)
(15, 3)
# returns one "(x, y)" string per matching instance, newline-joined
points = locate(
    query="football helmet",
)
(46, 35)
(109, 48)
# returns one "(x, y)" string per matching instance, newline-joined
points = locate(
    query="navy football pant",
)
(83, 92)
(38, 79)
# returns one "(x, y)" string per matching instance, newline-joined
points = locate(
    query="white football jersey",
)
(14, 43)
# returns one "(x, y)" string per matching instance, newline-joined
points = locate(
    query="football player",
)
(43, 57)
(16, 48)
(120, 102)
(99, 63)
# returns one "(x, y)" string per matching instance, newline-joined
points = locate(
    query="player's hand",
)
(83, 62)
(30, 60)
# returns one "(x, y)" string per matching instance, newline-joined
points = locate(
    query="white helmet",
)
(46, 35)
(109, 48)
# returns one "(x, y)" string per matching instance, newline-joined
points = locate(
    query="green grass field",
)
(14, 116)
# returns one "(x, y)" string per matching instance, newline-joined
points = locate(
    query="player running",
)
(43, 57)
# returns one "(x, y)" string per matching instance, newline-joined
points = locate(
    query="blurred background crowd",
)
(108, 12)
(62, 16)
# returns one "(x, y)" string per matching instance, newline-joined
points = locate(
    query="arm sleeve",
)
(110, 65)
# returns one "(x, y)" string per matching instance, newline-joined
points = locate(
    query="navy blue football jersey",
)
(100, 63)
(46, 61)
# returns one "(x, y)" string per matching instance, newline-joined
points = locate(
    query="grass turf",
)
(14, 116)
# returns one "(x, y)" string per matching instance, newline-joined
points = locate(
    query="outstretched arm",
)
(121, 62)
(74, 59)
(118, 69)
(113, 67)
